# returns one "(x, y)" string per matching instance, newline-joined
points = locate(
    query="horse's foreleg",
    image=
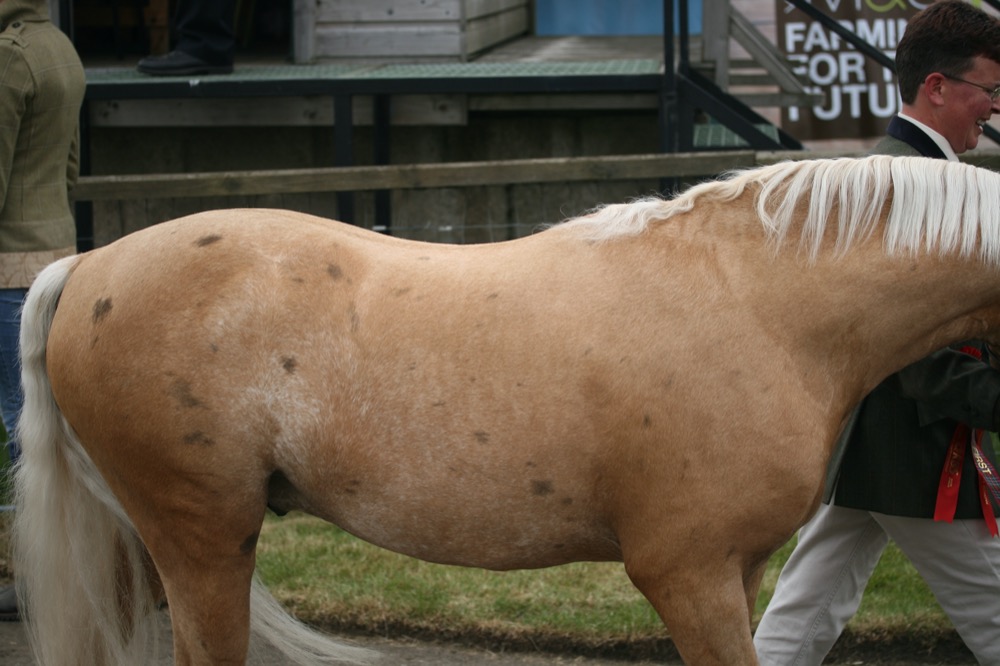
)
(703, 606)
(751, 584)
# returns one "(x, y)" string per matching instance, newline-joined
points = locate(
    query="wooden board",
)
(367, 41)
(410, 176)
(406, 110)
(433, 29)
(380, 11)
(395, 11)
(492, 29)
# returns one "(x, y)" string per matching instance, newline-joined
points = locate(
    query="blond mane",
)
(936, 205)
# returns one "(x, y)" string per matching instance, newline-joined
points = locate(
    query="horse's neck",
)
(867, 316)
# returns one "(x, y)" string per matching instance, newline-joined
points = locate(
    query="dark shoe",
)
(8, 605)
(178, 63)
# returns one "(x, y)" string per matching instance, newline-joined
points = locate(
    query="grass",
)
(334, 580)
(330, 577)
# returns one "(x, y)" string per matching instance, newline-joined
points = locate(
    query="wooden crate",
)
(414, 31)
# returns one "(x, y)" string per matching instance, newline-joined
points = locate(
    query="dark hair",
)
(944, 37)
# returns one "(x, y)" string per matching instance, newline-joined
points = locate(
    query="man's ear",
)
(932, 87)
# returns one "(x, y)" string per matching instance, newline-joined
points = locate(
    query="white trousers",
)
(821, 585)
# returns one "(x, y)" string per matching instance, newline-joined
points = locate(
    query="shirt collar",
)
(935, 136)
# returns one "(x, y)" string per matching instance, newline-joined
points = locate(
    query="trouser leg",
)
(205, 29)
(960, 561)
(820, 587)
(11, 397)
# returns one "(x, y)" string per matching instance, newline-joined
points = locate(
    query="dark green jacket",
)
(890, 457)
(41, 90)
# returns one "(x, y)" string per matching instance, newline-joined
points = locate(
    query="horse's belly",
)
(492, 518)
(501, 539)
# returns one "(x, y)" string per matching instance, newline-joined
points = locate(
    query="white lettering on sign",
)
(831, 65)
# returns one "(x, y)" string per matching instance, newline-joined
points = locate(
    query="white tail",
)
(76, 556)
(81, 568)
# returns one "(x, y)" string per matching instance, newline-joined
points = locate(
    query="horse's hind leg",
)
(206, 566)
(210, 615)
(703, 606)
(209, 601)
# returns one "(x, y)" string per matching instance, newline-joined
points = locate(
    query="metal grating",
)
(512, 69)
(712, 135)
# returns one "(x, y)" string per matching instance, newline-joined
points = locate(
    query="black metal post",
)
(382, 122)
(343, 149)
(668, 94)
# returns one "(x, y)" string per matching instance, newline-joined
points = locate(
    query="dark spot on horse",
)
(423, 258)
(333, 270)
(559, 545)
(205, 241)
(289, 364)
(352, 487)
(180, 391)
(401, 291)
(439, 403)
(566, 501)
(214, 347)
(298, 280)
(530, 464)
(493, 296)
(198, 437)
(412, 366)
(542, 488)
(647, 421)
(482, 437)
(101, 309)
(249, 543)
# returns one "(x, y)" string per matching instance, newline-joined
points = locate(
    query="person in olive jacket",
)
(41, 90)
(910, 446)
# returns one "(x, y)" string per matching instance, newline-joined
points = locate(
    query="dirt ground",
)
(412, 652)
(402, 652)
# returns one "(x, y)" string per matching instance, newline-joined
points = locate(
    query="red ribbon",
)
(951, 478)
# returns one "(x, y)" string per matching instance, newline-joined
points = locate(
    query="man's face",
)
(967, 106)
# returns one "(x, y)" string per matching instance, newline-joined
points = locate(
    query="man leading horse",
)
(948, 66)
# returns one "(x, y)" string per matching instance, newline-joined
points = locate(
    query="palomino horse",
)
(659, 383)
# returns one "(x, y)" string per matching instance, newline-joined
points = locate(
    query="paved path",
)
(14, 652)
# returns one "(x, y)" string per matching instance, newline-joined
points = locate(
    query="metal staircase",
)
(765, 78)
(704, 93)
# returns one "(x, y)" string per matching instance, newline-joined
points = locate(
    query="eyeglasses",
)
(994, 93)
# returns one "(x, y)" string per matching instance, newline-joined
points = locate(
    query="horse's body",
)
(665, 394)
